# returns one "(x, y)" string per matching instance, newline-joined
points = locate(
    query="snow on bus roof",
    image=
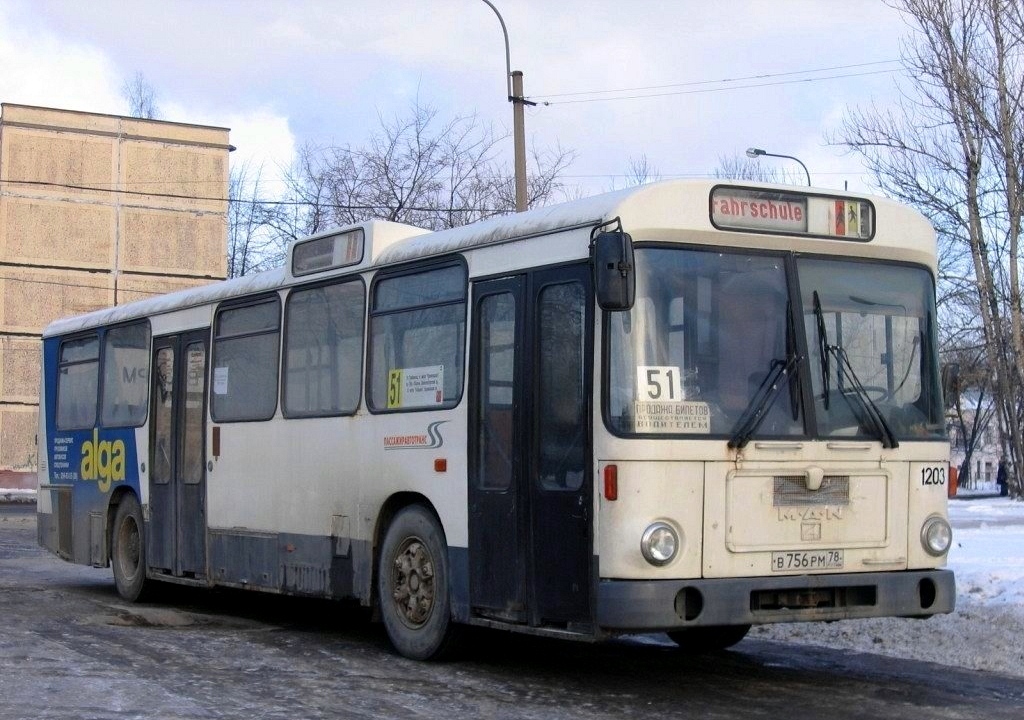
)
(190, 297)
(588, 211)
(669, 205)
(659, 204)
(417, 245)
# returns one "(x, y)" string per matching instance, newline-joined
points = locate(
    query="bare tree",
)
(738, 167)
(306, 208)
(141, 97)
(415, 169)
(253, 245)
(954, 148)
(973, 409)
(641, 172)
(543, 185)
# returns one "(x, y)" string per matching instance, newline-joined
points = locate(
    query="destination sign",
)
(788, 213)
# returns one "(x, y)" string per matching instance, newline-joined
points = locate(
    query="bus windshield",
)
(711, 330)
(872, 324)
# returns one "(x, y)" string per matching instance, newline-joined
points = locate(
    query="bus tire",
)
(413, 586)
(128, 550)
(698, 640)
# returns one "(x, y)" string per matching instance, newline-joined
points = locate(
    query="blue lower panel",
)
(312, 566)
(282, 562)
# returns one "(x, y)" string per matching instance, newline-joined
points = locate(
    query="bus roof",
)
(656, 211)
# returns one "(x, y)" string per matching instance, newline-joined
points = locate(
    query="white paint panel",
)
(650, 491)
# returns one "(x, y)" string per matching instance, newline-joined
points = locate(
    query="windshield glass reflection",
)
(708, 328)
(880, 319)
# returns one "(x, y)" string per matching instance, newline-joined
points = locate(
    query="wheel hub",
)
(412, 582)
(131, 548)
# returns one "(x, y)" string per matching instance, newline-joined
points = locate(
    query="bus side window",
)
(323, 350)
(417, 339)
(245, 361)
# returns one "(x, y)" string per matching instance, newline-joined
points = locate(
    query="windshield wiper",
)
(791, 350)
(870, 412)
(758, 408)
(823, 348)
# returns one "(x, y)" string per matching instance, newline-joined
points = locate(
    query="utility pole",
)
(519, 136)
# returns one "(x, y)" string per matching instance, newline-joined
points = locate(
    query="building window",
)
(125, 376)
(418, 336)
(323, 357)
(78, 375)
(245, 361)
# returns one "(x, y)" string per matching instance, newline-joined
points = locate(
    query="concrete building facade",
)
(95, 211)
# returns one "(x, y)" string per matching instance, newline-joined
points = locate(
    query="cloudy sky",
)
(695, 81)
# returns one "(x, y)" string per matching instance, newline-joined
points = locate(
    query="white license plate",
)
(807, 560)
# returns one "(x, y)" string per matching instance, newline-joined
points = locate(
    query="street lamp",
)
(758, 152)
(514, 82)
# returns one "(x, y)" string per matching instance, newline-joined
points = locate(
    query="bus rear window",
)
(125, 376)
(78, 383)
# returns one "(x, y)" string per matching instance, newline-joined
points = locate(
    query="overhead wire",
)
(711, 90)
(759, 76)
(541, 101)
(176, 196)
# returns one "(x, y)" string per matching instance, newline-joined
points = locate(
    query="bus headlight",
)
(936, 536)
(659, 543)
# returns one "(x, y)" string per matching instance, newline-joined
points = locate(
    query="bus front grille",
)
(792, 490)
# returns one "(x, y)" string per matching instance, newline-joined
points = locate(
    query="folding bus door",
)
(530, 485)
(176, 537)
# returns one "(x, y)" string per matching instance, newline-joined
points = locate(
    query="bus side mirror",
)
(950, 383)
(614, 271)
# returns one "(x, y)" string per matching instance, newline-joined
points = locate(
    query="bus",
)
(686, 407)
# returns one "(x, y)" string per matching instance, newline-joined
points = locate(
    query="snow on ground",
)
(985, 632)
(17, 495)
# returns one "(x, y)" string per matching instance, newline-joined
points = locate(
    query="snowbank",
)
(984, 632)
(17, 495)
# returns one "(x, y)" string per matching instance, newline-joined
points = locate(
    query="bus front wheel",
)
(128, 550)
(698, 640)
(412, 585)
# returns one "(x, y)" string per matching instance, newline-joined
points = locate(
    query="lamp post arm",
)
(790, 157)
(508, 54)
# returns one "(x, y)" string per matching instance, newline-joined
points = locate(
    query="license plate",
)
(807, 560)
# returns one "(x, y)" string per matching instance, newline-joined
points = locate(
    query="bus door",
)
(530, 524)
(177, 477)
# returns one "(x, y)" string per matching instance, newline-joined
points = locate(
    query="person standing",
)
(1001, 486)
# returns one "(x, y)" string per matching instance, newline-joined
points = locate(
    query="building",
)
(988, 451)
(95, 210)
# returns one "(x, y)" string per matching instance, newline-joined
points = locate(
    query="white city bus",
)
(685, 407)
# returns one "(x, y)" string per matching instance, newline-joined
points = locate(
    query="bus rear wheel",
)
(412, 585)
(699, 640)
(128, 550)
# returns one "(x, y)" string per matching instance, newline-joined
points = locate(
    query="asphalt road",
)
(70, 648)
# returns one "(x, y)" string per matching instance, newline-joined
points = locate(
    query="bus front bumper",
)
(652, 605)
